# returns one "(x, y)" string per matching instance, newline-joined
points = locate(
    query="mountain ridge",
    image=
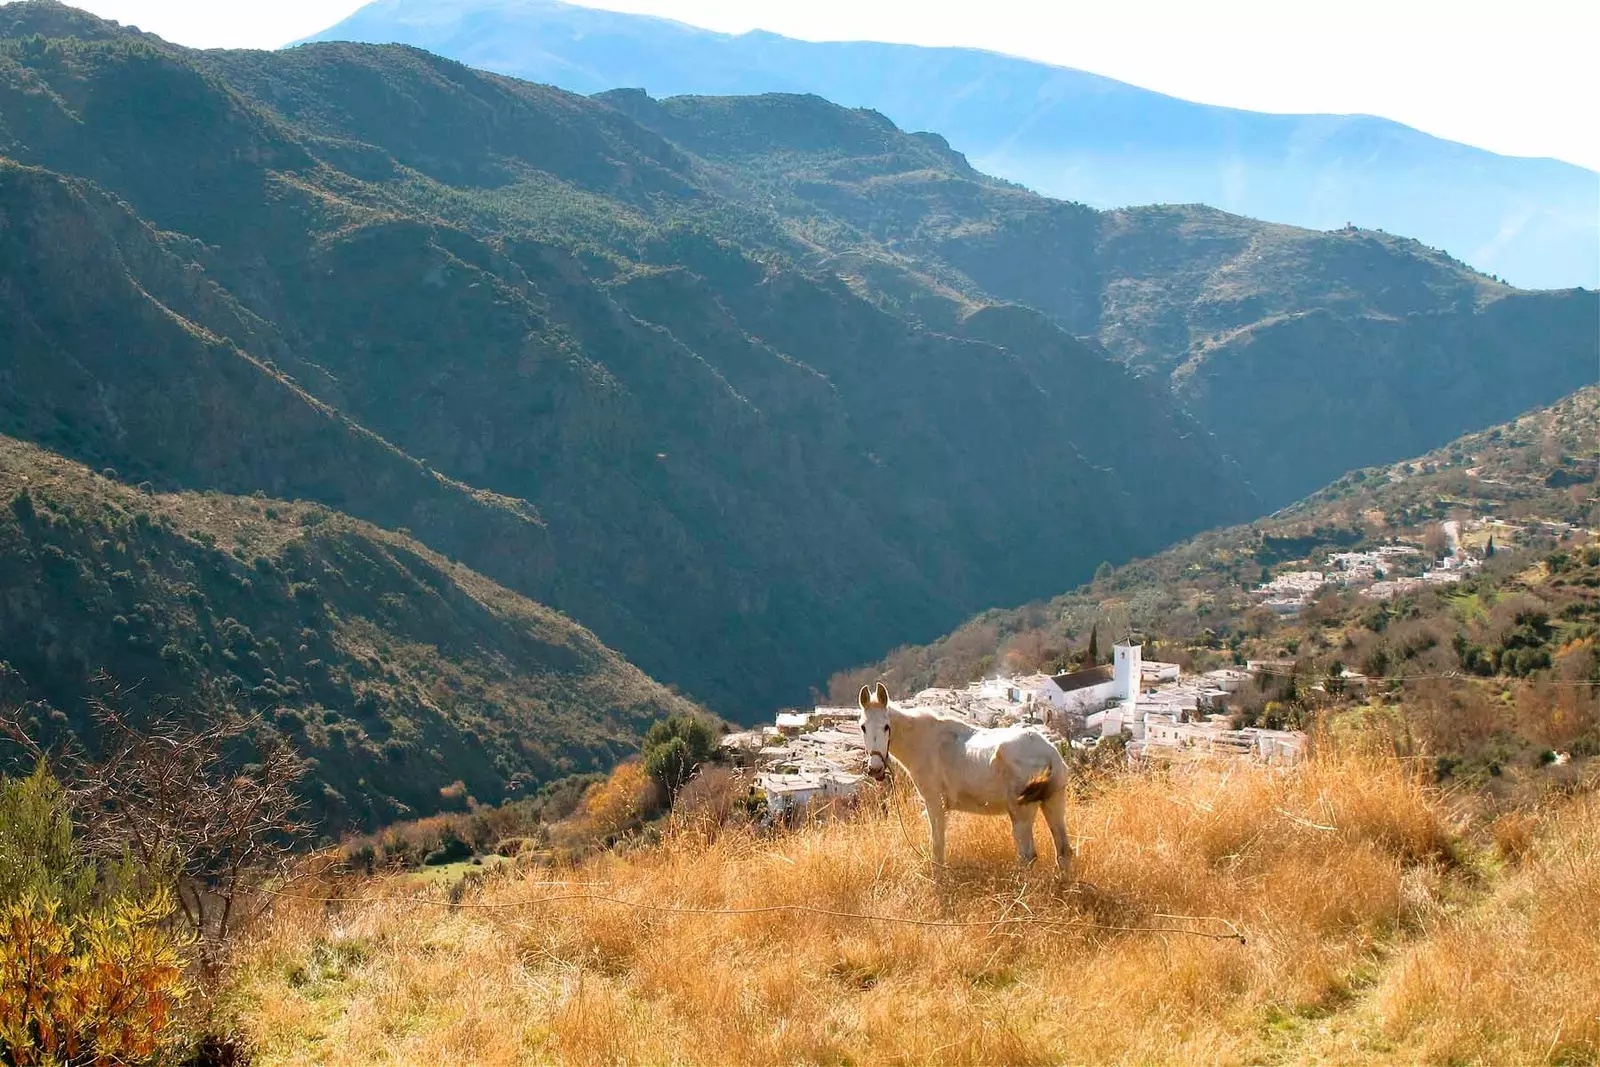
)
(1062, 131)
(420, 281)
(750, 414)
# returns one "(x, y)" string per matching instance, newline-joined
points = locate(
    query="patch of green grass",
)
(446, 874)
(328, 963)
(1471, 608)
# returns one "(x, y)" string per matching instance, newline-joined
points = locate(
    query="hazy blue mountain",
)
(1063, 132)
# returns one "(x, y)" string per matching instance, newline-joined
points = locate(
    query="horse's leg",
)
(936, 820)
(1022, 817)
(1055, 816)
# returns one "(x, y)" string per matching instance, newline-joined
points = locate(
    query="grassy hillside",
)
(1195, 601)
(1363, 898)
(395, 672)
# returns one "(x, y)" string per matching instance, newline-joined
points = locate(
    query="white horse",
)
(956, 766)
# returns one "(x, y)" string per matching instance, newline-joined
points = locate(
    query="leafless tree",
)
(203, 802)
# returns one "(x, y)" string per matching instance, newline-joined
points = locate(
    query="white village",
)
(1398, 568)
(1162, 713)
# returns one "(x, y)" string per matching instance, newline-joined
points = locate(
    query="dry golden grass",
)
(1325, 868)
(1517, 978)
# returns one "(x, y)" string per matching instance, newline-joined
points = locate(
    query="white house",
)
(788, 792)
(793, 723)
(792, 791)
(1027, 689)
(1152, 670)
(1227, 679)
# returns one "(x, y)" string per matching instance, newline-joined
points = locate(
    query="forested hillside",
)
(736, 384)
(394, 671)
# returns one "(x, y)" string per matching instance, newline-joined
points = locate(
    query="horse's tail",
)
(1039, 788)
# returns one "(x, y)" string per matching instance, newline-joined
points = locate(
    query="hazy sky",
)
(1520, 77)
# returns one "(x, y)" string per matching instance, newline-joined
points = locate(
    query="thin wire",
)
(1233, 933)
(1447, 676)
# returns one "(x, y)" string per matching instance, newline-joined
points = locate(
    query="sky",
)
(1517, 78)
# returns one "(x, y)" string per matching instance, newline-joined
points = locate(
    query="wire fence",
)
(1230, 931)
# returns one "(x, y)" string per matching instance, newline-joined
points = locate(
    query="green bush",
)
(22, 505)
(38, 854)
(452, 849)
(89, 971)
(673, 750)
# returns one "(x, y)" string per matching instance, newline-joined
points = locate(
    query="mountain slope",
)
(1305, 353)
(395, 671)
(1541, 467)
(1063, 132)
(547, 341)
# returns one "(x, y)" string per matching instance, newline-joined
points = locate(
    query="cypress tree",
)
(1092, 657)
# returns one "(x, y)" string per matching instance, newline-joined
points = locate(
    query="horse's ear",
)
(881, 695)
(865, 698)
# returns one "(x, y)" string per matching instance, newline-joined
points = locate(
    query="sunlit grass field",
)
(1381, 921)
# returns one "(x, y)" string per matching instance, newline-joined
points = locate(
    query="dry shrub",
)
(1452, 718)
(1560, 716)
(1517, 979)
(715, 798)
(613, 806)
(1316, 865)
(1512, 834)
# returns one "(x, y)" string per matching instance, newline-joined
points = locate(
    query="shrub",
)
(22, 505)
(512, 847)
(620, 801)
(452, 849)
(38, 854)
(674, 748)
(104, 986)
(89, 972)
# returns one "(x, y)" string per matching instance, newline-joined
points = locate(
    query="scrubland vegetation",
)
(1381, 919)
(1532, 612)
(391, 671)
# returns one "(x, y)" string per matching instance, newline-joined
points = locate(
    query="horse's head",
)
(875, 728)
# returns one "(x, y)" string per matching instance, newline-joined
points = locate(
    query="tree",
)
(201, 805)
(1104, 571)
(1333, 683)
(1092, 656)
(1435, 542)
(1488, 550)
(673, 750)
